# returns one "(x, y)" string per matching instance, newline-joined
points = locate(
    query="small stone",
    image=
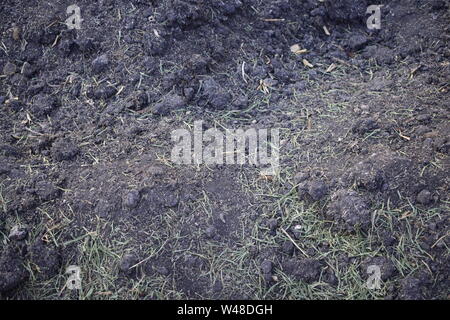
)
(218, 98)
(288, 248)
(317, 190)
(424, 197)
(28, 70)
(210, 232)
(357, 41)
(127, 262)
(132, 199)
(169, 103)
(267, 267)
(16, 33)
(273, 224)
(296, 49)
(217, 286)
(100, 63)
(104, 92)
(424, 118)
(189, 93)
(9, 69)
(18, 233)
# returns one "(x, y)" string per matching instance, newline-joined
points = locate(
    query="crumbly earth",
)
(86, 177)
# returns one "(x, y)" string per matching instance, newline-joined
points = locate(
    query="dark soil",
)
(85, 142)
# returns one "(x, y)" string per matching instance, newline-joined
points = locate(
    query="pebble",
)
(317, 190)
(424, 197)
(210, 232)
(128, 260)
(288, 248)
(100, 63)
(18, 233)
(132, 199)
(9, 69)
(267, 267)
(273, 224)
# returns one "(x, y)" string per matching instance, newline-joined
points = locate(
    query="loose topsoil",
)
(86, 177)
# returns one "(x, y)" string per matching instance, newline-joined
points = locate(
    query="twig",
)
(294, 243)
(243, 72)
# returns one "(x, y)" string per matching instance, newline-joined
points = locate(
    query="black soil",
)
(85, 148)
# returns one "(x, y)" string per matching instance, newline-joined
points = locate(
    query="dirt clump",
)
(12, 270)
(349, 210)
(46, 258)
(306, 270)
